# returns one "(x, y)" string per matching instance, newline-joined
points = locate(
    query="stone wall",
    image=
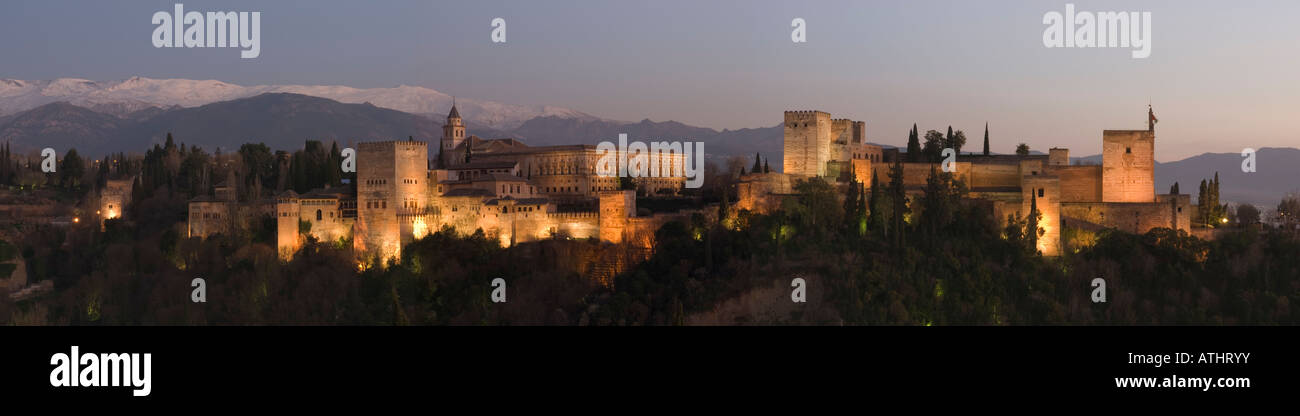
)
(208, 218)
(1079, 183)
(1137, 218)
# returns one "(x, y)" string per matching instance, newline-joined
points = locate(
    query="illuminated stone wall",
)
(209, 217)
(391, 179)
(1044, 192)
(1079, 183)
(113, 198)
(1128, 166)
(806, 143)
(287, 212)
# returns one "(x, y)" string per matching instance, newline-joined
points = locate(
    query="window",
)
(1040, 192)
(318, 215)
(1128, 150)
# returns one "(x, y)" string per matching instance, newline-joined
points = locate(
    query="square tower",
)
(391, 180)
(1128, 166)
(1044, 193)
(807, 143)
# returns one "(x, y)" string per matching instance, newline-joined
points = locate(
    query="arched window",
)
(318, 217)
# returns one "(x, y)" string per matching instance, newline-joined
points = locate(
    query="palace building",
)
(510, 191)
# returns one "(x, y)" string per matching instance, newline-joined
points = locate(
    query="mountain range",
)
(121, 98)
(132, 115)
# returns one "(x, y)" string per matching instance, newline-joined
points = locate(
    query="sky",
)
(1221, 75)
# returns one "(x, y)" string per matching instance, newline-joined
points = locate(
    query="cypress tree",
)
(873, 204)
(986, 138)
(758, 164)
(913, 145)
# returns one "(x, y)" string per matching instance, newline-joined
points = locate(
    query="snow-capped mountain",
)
(124, 97)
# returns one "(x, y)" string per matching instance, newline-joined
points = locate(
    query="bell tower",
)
(454, 131)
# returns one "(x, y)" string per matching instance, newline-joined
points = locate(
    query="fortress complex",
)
(511, 191)
(1120, 193)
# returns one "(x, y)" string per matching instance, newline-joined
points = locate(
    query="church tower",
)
(453, 133)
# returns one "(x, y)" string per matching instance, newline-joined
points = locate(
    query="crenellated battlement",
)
(379, 145)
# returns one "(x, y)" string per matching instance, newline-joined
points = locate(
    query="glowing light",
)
(1225, 220)
(419, 229)
(76, 219)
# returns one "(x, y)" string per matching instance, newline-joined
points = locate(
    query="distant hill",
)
(281, 120)
(1277, 173)
(123, 97)
(62, 126)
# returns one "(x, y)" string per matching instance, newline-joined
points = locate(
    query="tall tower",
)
(453, 133)
(1128, 164)
(807, 139)
(391, 185)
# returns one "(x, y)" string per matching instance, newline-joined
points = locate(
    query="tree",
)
(1247, 215)
(1173, 190)
(986, 138)
(766, 168)
(1032, 230)
(758, 164)
(72, 169)
(1022, 150)
(933, 150)
(1210, 212)
(898, 195)
(913, 145)
(873, 205)
(851, 202)
(939, 202)
(958, 141)
(259, 165)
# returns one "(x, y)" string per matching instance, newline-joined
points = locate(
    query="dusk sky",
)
(1221, 75)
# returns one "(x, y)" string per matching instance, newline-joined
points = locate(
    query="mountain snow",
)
(138, 93)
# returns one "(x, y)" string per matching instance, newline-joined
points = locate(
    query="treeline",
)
(870, 254)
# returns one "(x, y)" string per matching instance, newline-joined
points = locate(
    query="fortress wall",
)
(1136, 218)
(1032, 167)
(208, 218)
(988, 175)
(760, 193)
(1079, 183)
(1128, 166)
(1180, 210)
(331, 226)
(862, 171)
